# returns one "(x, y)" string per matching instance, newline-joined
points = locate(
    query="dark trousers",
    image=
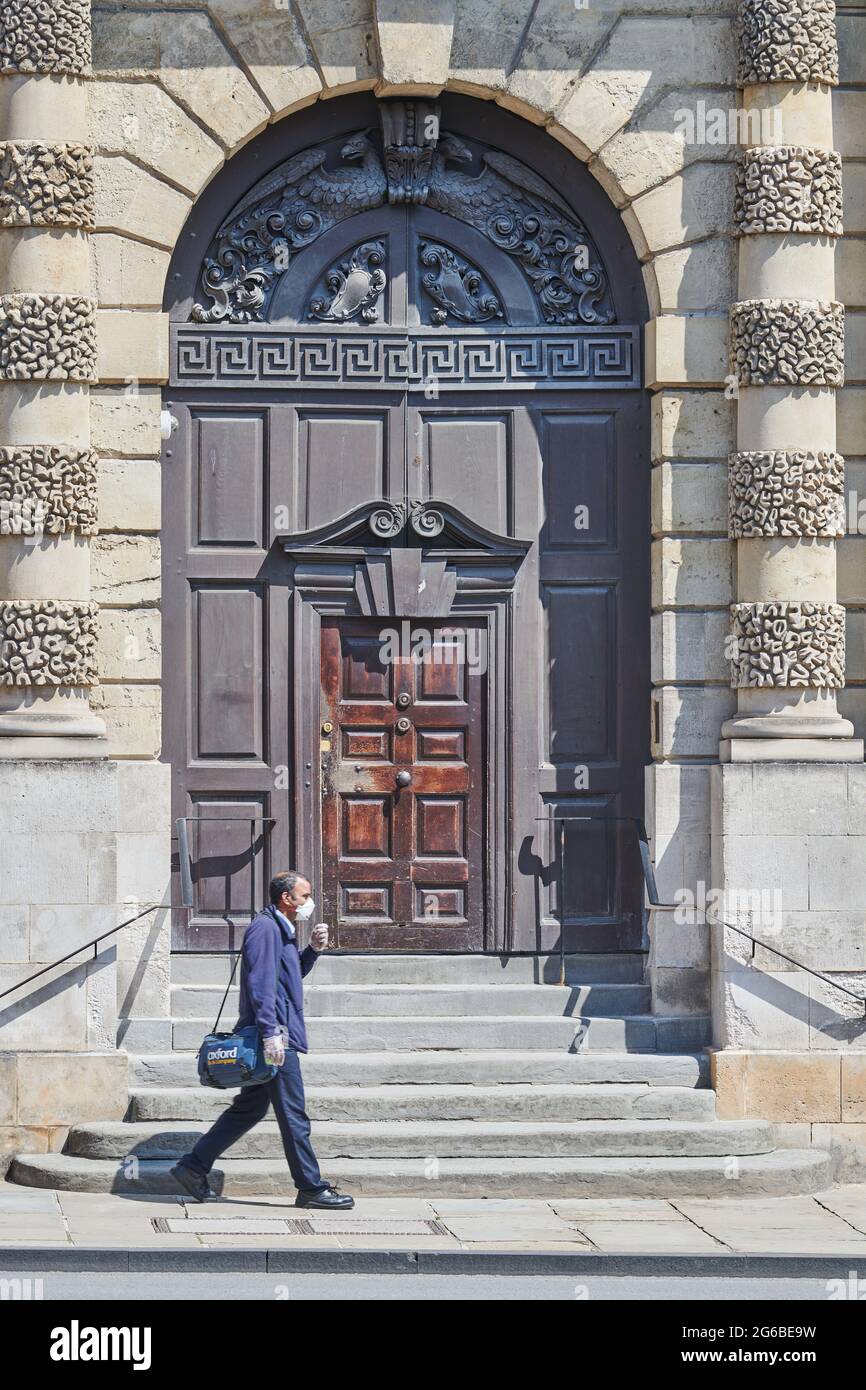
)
(286, 1093)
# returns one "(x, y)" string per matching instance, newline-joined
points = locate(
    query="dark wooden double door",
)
(418, 794)
(553, 721)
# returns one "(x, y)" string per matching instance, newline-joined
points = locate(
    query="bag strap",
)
(232, 976)
(226, 995)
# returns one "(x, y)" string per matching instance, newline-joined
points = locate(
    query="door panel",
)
(401, 869)
(586, 581)
(342, 462)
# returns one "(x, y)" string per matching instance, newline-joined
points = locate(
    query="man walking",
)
(272, 998)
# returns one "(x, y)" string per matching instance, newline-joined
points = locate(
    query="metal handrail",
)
(648, 869)
(861, 999)
(186, 873)
(79, 949)
(185, 857)
(645, 859)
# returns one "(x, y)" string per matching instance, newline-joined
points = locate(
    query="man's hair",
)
(284, 882)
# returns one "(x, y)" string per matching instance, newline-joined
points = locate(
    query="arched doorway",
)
(406, 533)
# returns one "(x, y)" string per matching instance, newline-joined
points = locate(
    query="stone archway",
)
(439, 329)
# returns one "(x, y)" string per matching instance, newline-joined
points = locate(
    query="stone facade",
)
(746, 453)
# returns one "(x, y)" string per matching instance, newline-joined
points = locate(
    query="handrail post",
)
(561, 891)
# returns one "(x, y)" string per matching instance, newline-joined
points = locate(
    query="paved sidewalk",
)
(829, 1223)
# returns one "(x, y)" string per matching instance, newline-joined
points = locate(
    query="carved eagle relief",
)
(303, 198)
(290, 209)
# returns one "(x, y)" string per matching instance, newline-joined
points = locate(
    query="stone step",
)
(782, 1173)
(438, 1139)
(333, 968)
(461, 1001)
(642, 1033)
(454, 1068)
(517, 1101)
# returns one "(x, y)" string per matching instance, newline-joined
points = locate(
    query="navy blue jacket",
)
(272, 968)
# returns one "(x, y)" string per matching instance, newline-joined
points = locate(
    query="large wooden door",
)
(403, 734)
(407, 385)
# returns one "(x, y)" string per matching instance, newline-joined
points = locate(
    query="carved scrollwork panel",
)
(285, 212)
(320, 187)
(788, 644)
(521, 215)
(353, 287)
(457, 288)
(786, 492)
(47, 643)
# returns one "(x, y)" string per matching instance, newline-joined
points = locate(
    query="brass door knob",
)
(403, 726)
(404, 779)
(403, 701)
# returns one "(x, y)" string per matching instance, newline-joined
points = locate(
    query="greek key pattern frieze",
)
(577, 358)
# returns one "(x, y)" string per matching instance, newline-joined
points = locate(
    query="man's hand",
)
(275, 1050)
(319, 937)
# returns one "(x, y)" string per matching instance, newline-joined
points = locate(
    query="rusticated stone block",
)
(50, 337)
(789, 188)
(47, 643)
(786, 492)
(45, 185)
(787, 342)
(787, 41)
(51, 36)
(48, 489)
(788, 644)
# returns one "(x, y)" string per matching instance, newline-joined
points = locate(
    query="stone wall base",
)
(813, 1099)
(43, 1093)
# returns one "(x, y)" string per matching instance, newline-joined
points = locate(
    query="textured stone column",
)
(47, 360)
(786, 345)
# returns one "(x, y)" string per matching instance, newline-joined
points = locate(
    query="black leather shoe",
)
(193, 1184)
(328, 1200)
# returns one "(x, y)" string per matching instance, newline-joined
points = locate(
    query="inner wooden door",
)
(403, 783)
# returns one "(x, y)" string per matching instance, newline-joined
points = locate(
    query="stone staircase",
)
(467, 1075)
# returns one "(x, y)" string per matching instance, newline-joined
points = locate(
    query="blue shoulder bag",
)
(228, 1060)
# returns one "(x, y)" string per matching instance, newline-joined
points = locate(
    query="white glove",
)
(275, 1050)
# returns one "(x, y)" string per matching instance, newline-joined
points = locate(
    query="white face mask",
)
(305, 911)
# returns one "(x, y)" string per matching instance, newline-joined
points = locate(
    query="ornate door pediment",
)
(404, 560)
